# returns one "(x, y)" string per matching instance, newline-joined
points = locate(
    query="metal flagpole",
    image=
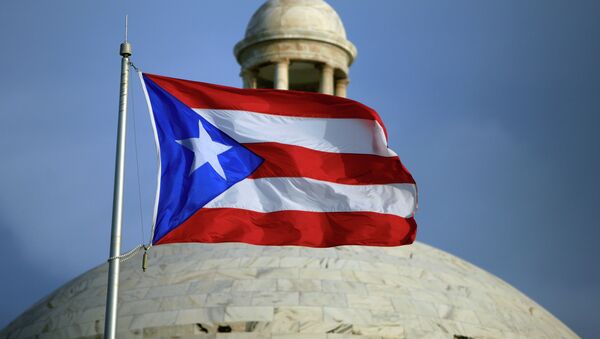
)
(110, 320)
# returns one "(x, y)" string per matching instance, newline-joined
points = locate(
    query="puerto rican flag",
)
(271, 167)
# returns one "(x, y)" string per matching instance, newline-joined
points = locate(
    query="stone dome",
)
(304, 17)
(312, 20)
(246, 291)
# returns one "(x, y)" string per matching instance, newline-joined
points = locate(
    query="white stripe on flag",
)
(303, 194)
(358, 136)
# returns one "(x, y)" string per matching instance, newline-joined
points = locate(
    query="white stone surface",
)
(193, 290)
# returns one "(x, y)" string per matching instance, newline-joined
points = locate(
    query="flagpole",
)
(110, 320)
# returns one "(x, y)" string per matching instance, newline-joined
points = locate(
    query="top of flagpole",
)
(125, 50)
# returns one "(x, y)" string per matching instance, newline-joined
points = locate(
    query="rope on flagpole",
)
(128, 254)
(137, 161)
(139, 72)
(145, 247)
(132, 253)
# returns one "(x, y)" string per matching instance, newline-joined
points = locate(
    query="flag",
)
(271, 167)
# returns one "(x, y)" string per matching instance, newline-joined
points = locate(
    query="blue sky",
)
(493, 105)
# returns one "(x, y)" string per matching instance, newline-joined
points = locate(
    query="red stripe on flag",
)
(352, 169)
(300, 228)
(288, 103)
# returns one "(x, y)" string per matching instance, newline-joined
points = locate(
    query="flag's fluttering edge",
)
(271, 167)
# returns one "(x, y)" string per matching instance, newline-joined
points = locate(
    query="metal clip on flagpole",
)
(110, 322)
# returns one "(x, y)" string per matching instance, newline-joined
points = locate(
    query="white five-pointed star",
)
(205, 151)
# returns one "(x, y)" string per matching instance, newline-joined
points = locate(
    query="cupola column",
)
(249, 77)
(340, 87)
(326, 85)
(282, 74)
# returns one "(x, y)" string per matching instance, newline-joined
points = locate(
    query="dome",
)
(284, 20)
(246, 291)
(314, 18)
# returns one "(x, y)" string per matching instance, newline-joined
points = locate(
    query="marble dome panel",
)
(246, 291)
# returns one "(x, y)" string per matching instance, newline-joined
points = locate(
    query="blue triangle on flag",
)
(182, 192)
